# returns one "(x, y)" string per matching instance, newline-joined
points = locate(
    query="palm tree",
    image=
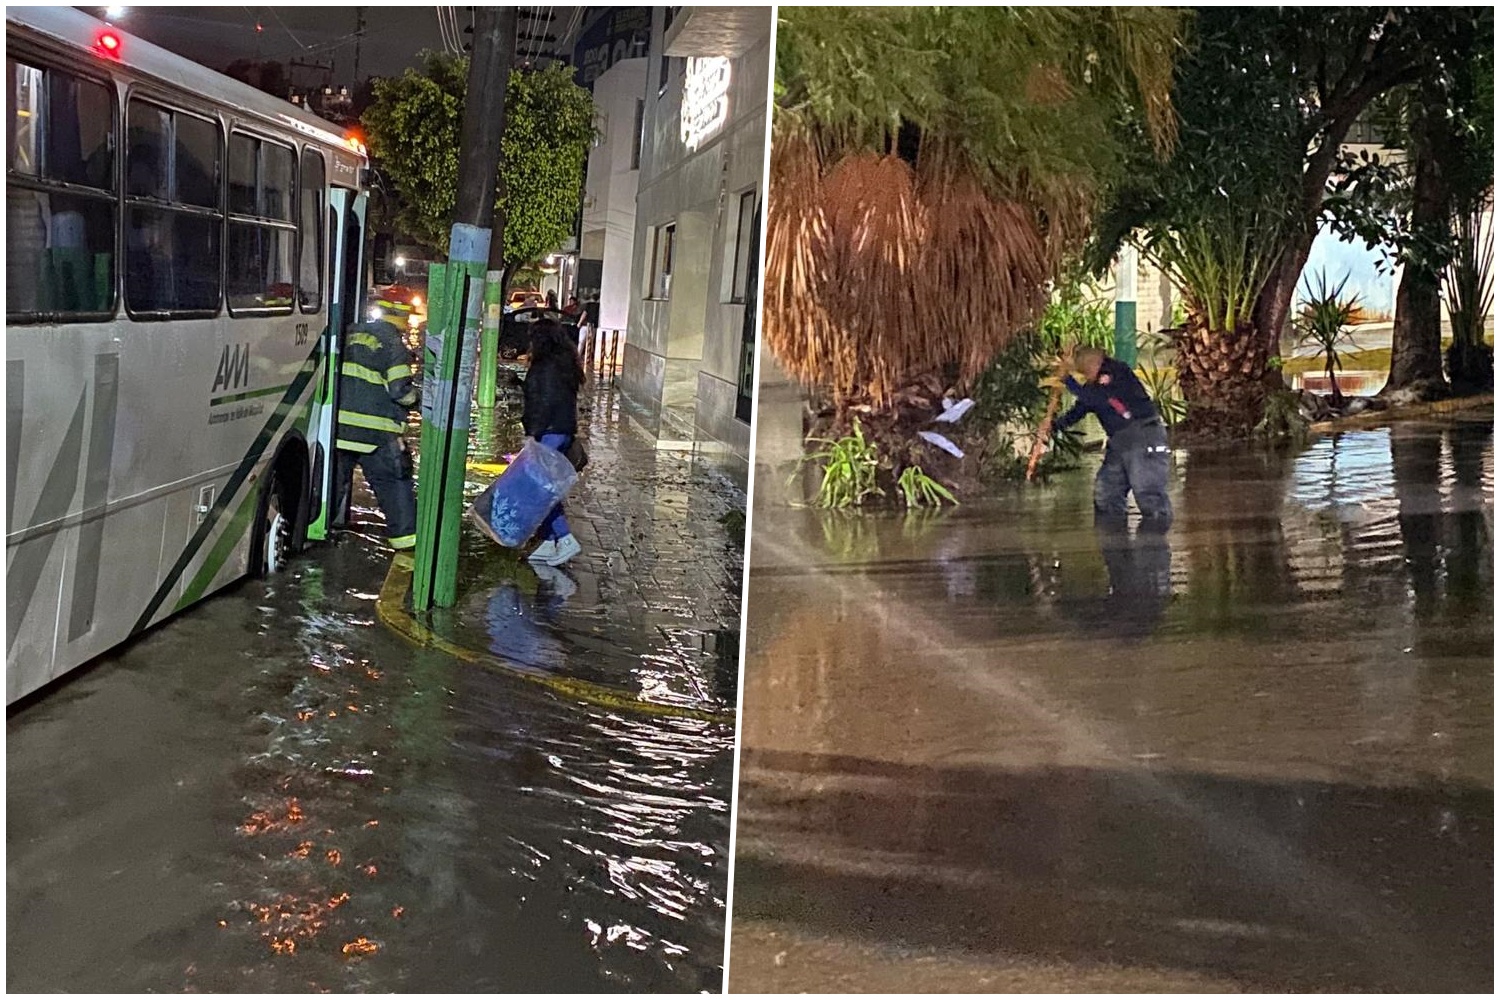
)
(931, 170)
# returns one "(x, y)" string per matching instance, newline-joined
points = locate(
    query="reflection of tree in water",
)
(1238, 561)
(1446, 541)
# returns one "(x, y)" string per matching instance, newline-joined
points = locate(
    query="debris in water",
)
(360, 947)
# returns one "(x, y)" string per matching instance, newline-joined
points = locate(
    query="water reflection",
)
(520, 622)
(1140, 575)
(1308, 651)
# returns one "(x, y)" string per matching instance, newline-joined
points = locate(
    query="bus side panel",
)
(107, 575)
(63, 412)
(31, 613)
(238, 386)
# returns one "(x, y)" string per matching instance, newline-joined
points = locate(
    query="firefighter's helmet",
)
(393, 309)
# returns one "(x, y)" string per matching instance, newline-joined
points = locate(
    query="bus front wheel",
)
(278, 521)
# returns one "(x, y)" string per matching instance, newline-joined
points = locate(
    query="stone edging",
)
(1379, 418)
(390, 606)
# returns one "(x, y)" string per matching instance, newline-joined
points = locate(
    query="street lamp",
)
(400, 261)
(114, 13)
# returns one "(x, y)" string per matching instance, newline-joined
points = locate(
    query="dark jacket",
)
(1117, 398)
(551, 394)
(375, 387)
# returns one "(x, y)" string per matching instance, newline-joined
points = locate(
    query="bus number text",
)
(301, 334)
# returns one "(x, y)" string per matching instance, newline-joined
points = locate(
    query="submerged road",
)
(1001, 749)
(274, 792)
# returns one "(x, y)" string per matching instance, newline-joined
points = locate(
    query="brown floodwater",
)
(1004, 747)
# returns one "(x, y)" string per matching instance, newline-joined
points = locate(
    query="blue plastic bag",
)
(514, 506)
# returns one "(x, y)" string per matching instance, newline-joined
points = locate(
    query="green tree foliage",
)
(1267, 97)
(414, 126)
(1425, 211)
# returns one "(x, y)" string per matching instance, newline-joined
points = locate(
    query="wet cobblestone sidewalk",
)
(652, 603)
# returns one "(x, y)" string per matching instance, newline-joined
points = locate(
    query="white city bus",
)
(182, 255)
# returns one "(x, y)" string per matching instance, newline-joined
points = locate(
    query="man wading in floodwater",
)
(1136, 457)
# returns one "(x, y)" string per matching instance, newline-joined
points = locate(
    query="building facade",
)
(694, 278)
(611, 60)
(606, 248)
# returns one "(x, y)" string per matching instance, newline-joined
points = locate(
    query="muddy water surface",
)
(1009, 748)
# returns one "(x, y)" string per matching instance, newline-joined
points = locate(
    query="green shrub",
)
(920, 490)
(849, 466)
(1161, 382)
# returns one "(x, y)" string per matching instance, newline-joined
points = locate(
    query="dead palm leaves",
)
(876, 271)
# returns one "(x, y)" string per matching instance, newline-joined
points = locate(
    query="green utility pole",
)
(453, 330)
(1125, 345)
(489, 345)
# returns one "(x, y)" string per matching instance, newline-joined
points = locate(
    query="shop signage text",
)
(705, 99)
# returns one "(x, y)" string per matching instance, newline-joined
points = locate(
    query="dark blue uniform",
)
(1136, 457)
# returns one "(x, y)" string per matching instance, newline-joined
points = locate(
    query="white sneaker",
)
(567, 548)
(543, 553)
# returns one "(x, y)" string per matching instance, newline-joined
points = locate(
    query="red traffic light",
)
(108, 44)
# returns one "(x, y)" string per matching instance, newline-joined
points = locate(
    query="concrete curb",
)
(1362, 421)
(390, 606)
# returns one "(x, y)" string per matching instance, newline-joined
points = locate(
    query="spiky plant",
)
(1470, 290)
(1324, 323)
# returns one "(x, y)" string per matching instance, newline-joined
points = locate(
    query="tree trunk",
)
(1416, 341)
(1223, 378)
(1274, 303)
(1417, 338)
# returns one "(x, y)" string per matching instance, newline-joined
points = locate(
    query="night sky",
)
(217, 36)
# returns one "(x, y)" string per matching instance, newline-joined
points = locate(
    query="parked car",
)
(515, 328)
(523, 298)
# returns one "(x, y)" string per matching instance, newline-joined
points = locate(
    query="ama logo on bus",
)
(234, 367)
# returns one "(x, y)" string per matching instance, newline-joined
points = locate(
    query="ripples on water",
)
(413, 822)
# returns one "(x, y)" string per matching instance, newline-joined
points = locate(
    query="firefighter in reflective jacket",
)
(376, 392)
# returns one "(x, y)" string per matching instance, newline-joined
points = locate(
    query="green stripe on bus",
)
(236, 479)
(219, 400)
(217, 555)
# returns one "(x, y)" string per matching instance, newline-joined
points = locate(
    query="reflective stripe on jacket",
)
(375, 386)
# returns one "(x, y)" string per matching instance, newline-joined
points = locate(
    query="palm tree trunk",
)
(1223, 378)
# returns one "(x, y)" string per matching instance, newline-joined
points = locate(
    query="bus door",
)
(346, 265)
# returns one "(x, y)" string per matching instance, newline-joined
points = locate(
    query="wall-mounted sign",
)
(624, 33)
(705, 99)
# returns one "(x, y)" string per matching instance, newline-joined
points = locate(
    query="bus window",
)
(173, 226)
(310, 274)
(60, 204)
(262, 233)
(197, 173)
(23, 95)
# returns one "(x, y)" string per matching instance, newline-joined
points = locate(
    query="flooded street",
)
(1004, 748)
(275, 792)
